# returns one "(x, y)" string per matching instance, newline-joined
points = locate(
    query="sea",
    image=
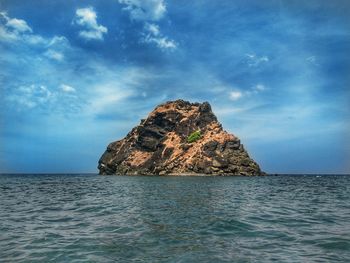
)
(92, 218)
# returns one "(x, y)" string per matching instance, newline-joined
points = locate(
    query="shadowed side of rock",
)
(159, 145)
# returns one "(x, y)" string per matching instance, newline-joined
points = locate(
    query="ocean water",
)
(90, 218)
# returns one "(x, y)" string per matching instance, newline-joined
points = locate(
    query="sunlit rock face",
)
(160, 145)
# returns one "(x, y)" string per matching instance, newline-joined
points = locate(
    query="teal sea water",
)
(90, 218)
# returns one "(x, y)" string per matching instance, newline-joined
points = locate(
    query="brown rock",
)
(158, 146)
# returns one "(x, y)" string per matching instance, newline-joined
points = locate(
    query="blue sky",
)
(76, 75)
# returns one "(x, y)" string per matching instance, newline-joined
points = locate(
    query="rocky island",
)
(178, 138)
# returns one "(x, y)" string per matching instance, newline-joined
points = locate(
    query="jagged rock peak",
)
(178, 138)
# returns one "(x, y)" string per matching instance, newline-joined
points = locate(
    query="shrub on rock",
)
(194, 136)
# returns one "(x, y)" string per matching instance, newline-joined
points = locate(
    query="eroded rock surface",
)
(159, 146)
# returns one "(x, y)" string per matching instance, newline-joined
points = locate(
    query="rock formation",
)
(160, 145)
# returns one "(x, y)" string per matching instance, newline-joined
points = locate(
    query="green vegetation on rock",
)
(194, 136)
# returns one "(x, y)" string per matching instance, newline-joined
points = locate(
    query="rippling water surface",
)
(80, 218)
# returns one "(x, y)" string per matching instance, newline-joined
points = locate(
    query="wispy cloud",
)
(152, 34)
(17, 30)
(145, 10)
(259, 122)
(259, 87)
(237, 94)
(254, 60)
(153, 29)
(50, 100)
(28, 97)
(87, 18)
(67, 88)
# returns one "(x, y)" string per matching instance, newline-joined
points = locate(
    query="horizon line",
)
(90, 173)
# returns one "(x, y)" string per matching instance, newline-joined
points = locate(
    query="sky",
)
(77, 75)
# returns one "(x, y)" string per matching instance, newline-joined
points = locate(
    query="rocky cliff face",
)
(160, 145)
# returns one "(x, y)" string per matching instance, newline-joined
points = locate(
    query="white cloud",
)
(235, 95)
(238, 94)
(161, 42)
(253, 60)
(7, 36)
(18, 25)
(145, 10)
(34, 39)
(86, 17)
(153, 35)
(152, 29)
(55, 55)
(13, 24)
(67, 88)
(12, 28)
(259, 87)
(17, 30)
(57, 46)
(58, 40)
